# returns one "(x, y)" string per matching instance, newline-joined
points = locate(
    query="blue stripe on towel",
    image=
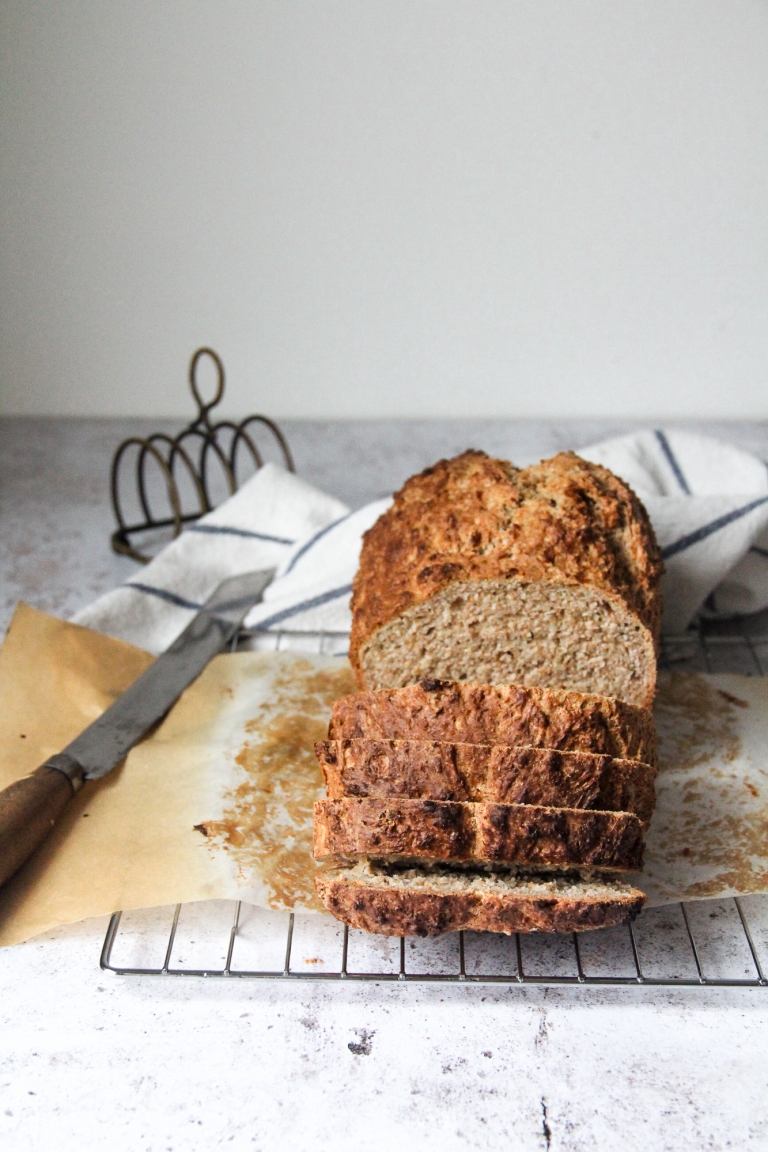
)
(223, 530)
(672, 460)
(311, 543)
(708, 529)
(162, 594)
(304, 606)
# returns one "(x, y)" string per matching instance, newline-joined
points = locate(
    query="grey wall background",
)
(386, 207)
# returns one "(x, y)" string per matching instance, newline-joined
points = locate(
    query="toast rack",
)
(184, 463)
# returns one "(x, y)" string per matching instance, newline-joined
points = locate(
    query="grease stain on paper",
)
(267, 819)
(695, 722)
(708, 836)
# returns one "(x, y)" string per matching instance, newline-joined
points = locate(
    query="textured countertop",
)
(142, 1063)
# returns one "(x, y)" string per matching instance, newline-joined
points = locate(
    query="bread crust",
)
(392, 911)
(460, 832)
(498, 714)
(434, 770)
(474, 518)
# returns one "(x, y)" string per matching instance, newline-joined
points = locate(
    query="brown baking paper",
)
(709, 833)
(217, 802)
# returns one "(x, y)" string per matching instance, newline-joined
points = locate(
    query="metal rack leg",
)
(750, 941)
(109, 940)
(635, 955)
(288, 944)
(577, 950)
(519, 955)
(694, 949)
(232, 935)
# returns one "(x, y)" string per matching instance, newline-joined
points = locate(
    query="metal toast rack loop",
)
(189, 455)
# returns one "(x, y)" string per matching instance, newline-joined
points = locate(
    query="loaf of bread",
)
(421, 902)
(456, 832)
(497, 773)
(498, 714)
(484, 573)
(496, 770)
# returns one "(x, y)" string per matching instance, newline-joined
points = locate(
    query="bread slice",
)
(483, 573)
(498, 714)
(431, 770)
(521, 835)
(418, 903)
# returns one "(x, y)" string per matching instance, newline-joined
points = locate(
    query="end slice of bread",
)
(521, 835)
(497, 773)
(418, 903)
(484, 573)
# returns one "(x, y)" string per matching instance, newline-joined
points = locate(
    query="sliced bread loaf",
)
(430, 903)
(432, 770)
(522, 835)
(483, 573)
(498, 714)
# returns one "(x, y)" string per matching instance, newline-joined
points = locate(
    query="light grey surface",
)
(90, 1059)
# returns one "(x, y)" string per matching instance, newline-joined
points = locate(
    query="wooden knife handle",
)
(30, 807)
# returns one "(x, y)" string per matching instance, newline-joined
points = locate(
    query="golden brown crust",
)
(475, 518)
(498, 714)
(460, 832)
(498, 773)
(393, 911)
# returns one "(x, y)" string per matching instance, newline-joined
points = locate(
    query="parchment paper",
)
(709, 833)
(217, 802)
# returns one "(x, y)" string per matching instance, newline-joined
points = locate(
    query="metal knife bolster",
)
(69, 767)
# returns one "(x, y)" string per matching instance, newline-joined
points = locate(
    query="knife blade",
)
(30, 807)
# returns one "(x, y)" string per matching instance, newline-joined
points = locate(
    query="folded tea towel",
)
(708, 502)
(256, 528)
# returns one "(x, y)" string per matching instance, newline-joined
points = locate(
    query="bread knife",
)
(30, 807)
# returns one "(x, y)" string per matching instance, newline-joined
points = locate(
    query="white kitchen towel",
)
(312, 589)
(708, 503)
(256, 528)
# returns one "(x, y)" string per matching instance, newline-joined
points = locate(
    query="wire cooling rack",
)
(709, 943)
